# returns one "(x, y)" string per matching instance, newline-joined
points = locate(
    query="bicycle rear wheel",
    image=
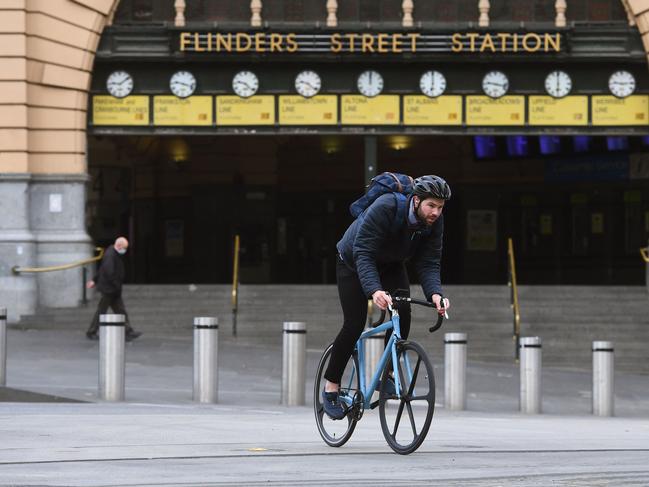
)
(405, 421)
(335, 432)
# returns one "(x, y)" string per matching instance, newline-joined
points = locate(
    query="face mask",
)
(121, 251)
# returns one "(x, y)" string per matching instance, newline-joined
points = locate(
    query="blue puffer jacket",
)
(375, 238)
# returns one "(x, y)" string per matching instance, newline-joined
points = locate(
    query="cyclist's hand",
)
(381, 299)
(441, 304)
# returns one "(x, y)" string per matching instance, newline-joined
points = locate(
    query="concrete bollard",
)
(206, 371)
(603, 378)
(530, 375)
(294, 363)
(455, 371)
(374, 346)
(3, 346)
(112, 328)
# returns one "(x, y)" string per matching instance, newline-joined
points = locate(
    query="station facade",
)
(181, 124)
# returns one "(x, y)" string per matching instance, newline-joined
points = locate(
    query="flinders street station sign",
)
(504, 43)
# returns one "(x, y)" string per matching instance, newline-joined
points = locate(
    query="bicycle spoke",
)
(398, 420)
(414, 377)
(412, 420)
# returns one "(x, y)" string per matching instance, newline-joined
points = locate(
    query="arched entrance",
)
(47, 66)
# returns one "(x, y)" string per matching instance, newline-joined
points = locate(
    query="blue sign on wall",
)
(593, 167)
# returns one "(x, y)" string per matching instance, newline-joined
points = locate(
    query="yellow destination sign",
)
(171, 110)
(360, 110)
(108, 110)
(319, 110)
(482, 110)
(609, 110)
(571, 110)
(421, 110)
(256, 110)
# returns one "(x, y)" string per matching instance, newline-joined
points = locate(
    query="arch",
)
(50, 74)
(640, 11)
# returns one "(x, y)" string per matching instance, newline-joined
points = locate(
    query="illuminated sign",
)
(108, 110)
(546, 110)
(421, 110)
(482, 110)
(360, 110)
(506, 42)
(609, 110)
(171, 110)
(370, 43)
(319, 110)
(256, 110)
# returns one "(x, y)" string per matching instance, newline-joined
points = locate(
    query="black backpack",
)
(400, 185)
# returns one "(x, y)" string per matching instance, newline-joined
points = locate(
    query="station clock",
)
(182, 84)
(558, 84)
(119, 84)
(245, 84)
(432, 84)
(308, 83)
(370, 83)
(621, 83)
(495, 84)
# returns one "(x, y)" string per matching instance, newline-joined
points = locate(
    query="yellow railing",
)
(25, 270)
(514, 295)
(235, 285)
(644, 252)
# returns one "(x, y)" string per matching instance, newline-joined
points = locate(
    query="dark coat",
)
(375, 239)
(110, 276)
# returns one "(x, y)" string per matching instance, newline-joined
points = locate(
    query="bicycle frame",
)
(390, 352)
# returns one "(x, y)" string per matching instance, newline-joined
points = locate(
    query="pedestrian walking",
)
(108, 281)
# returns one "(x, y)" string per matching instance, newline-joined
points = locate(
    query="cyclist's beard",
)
(421, 219)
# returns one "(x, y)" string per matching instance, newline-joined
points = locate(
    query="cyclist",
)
(371, 263)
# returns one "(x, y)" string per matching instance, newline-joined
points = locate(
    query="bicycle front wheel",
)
(405, 420)
(335, 432)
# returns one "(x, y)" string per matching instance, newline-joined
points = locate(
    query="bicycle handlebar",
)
(405, 299)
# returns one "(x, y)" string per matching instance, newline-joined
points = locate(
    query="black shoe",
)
(92, 336)
(132, 335)
(332, 406)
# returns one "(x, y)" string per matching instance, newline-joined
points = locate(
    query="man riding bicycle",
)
(371, 263)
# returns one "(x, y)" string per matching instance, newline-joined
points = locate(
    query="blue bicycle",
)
(412, 395)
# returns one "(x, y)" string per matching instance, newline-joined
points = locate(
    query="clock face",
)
(370, 83)
(558, 84)
(432, 83)
(495, 84)
(245, 83)
(119, 84)
(621, 84)
(182, 84)
(308, 83)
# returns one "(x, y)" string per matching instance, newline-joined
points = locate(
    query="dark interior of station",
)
(576, 207)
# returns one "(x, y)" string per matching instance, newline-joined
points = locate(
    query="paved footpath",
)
(142, 444)
(160, 437)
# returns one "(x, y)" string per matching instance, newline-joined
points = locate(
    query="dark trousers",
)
(115, 302)
(354, 304)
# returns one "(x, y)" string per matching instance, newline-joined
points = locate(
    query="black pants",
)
(115, 302)
(354, 304)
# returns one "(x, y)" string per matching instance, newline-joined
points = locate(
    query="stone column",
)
(332, 9)
(57, 219)
(560, 6)
(483, 7)
(17, 247)
(407, 6)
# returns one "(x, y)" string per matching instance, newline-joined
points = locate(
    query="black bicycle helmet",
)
(431, 187)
